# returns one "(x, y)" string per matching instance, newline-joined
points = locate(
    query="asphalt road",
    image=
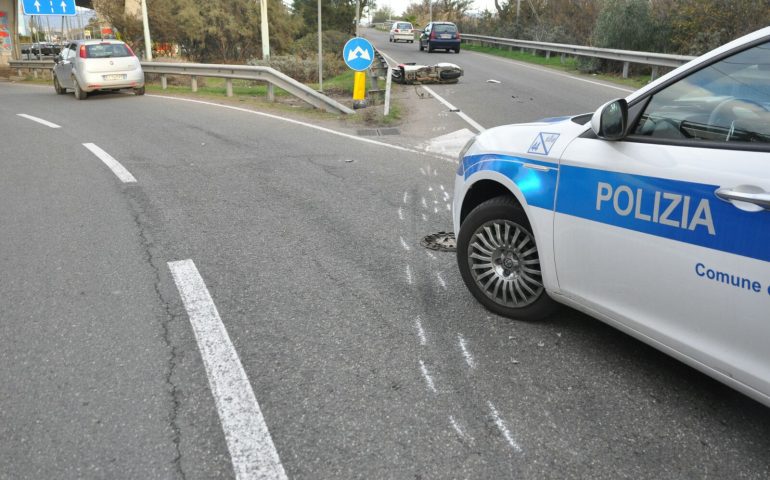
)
(367, 356)
(524, 93)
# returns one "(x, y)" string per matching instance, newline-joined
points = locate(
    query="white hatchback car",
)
(402, 31)
(90, 65)
(652, 215)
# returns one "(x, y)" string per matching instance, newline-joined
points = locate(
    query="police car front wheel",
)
(499, 261)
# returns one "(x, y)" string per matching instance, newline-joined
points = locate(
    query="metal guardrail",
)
(625, 56)
(229, 72)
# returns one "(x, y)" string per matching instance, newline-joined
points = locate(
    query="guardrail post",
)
(563, 58)
(229, 87)
(547, 54)
(194, 83)
(270, 92)
(163, 81)
(654, 74)
(34, 73)
(625, 69)
(18, 72)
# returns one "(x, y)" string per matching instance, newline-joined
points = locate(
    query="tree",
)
(382, 14)
(698, 26)
(335, 14)
(628, 25)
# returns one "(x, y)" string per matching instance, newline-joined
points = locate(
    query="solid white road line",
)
(251, 448)
(295, 122)
(118, 169)
(456, 110)
(38, 120)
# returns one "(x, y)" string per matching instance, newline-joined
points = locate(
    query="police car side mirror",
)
(610, 120)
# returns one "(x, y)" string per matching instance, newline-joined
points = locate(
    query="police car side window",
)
(728, 101)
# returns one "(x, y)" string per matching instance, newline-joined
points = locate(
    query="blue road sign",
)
(49, 7)
(358, 54)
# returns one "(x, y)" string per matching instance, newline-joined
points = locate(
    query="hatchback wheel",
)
(419, 44)
(56, 86)
(79, 94)
(499, 261)
(139, 91)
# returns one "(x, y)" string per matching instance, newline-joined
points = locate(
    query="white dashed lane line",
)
(38, 120)
(466, 353)
(503, 429)
(427, 377)
(420, 331)
(251, 447)
(118, 169)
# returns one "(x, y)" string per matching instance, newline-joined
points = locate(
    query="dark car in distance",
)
(440, 35)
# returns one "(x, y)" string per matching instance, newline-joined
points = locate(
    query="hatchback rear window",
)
(444, 28)
(404, 26)
(107, 50)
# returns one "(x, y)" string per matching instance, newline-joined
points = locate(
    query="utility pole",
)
(146, 25)
(358, 8)
(320, 52)
(265, 32)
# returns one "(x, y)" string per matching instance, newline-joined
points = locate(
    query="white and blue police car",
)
(652, 215)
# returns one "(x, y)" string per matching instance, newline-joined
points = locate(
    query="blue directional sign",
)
(49, 7)
(358, 54)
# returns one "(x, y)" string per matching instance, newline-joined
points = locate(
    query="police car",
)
(652, 215)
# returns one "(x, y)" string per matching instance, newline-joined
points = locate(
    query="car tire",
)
(139, 91)
(421, 47)
(499, 261)
(56, 86)
(457, 50)
(79, 94)
(430, 49)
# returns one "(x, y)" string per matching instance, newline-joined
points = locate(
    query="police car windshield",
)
(726, 101)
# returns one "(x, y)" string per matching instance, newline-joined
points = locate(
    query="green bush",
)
(305, 69)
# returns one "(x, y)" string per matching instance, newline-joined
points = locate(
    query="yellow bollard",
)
(359, 86)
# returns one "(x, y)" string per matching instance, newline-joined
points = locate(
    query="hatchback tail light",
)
(458, 35)
(432, 35)
(83, 53)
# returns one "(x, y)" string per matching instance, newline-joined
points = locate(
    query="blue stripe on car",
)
(678, 210)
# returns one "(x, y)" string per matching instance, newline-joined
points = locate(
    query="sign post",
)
(358, 54)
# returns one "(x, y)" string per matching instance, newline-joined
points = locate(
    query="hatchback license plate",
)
(115, 77)
(446, 35)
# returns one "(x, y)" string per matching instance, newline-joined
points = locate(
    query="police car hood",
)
(542, 140)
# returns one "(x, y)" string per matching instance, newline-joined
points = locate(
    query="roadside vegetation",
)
(228, 31)
(569, 64)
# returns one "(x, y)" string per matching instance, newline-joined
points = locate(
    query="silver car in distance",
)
(91, 65)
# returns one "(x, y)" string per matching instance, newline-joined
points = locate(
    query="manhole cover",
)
(441, 241)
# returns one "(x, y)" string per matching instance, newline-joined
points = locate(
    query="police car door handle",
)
(761, 198)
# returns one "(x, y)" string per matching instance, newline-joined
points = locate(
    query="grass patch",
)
(569, 64)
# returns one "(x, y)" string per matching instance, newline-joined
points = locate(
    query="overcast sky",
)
(398, 6)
